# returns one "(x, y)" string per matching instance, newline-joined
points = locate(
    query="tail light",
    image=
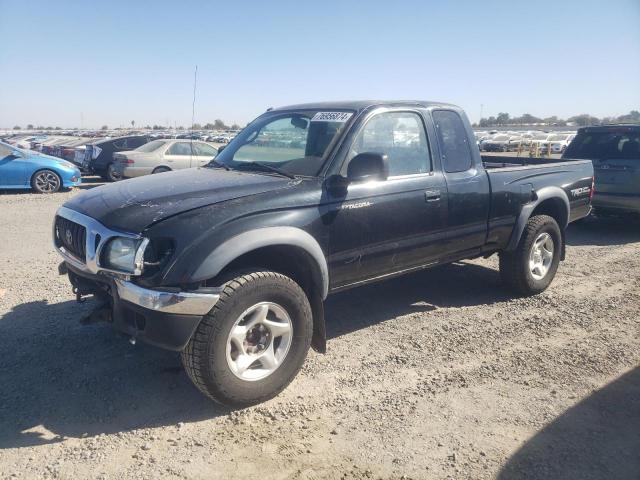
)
(127, 161)
(593, 188)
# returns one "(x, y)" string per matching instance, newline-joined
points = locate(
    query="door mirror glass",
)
(368, 166)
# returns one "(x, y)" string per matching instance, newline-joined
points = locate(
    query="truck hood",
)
(133, 205)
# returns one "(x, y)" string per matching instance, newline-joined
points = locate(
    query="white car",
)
(557, 143)
(162, 156)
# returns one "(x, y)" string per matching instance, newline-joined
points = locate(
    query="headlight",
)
(124, 254)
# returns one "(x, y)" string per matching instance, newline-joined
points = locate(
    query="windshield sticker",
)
(331, 117)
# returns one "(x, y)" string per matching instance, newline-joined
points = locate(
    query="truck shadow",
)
(62, 379)
(604, 231)
(422, 291)
(596, 439)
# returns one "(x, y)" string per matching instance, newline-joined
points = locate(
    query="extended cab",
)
(231, 263)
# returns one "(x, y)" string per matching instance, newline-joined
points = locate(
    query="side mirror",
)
(220, 148)
(368, 166)
(14, 154)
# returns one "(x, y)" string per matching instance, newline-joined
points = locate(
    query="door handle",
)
(432, 195)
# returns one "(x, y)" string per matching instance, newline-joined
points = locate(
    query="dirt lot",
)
(440, 374)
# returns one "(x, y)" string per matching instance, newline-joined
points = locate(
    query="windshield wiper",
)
(271, 168)
(219, 164)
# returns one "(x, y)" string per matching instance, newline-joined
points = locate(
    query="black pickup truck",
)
(230, 263)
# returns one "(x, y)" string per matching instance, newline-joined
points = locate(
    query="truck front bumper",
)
(166, 318)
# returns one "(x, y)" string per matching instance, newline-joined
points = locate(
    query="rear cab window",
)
(453, 141)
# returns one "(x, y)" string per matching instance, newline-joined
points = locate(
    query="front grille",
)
(72, 237)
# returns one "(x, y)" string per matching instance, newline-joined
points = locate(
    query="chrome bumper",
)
(184, 303)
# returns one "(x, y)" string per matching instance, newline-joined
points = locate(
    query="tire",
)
(46, 181)
(110, 174)
(236, 381)
(161, 170)
(516, 268)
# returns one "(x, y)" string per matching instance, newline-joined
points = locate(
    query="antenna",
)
(193, 114)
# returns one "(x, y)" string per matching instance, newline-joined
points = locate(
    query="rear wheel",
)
(112, 175)
(46, 181)
(532, 266)
(253, 342)
(161, 170)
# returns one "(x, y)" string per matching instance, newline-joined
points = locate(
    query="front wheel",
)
(46, 181)
(532, 266)
(253, 342)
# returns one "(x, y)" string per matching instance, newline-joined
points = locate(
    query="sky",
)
(87, 64)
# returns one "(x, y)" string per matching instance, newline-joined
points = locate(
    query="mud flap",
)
(319, 339)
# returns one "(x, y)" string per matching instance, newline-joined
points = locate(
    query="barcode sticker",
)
(331, 117)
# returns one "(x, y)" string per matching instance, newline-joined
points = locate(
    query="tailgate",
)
(617, 176)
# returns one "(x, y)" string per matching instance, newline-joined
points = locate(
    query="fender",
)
(541, 195)
(245, 242)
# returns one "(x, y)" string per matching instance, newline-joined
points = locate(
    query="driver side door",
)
(385, 227)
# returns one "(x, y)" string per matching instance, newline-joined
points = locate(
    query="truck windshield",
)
(294, 142)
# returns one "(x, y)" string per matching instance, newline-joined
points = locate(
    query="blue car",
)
(28, 169)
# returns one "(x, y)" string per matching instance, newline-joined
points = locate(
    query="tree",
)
(148, 127)
(235, 126)
(487, 122)
(157, 127)
(17, 127)
(133, 123)
(104, 127)
(632, 117)
(30, 126)
(57, 128)
(583, 120)
(196, 126)
(209, 126)
(503, 118)
(219, 125)
(527, 119)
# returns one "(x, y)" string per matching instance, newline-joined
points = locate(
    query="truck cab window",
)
(453, 141)
(399, 135)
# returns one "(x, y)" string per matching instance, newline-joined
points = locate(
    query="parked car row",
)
(542, 142)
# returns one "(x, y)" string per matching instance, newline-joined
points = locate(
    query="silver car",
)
(162, 156)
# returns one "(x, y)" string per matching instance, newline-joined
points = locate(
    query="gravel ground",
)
(440, 374)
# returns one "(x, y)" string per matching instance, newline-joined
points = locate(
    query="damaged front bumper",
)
(166, 317)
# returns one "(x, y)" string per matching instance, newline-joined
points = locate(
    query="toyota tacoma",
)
(230, 263)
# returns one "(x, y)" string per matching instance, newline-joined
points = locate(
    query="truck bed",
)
(495, 161)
